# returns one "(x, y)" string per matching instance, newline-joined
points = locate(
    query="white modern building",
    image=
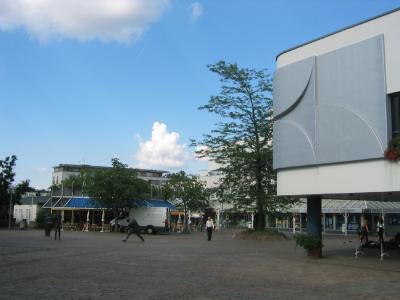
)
(336, 108)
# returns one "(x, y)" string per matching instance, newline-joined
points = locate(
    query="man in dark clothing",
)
(133, 227)
(48, 224)
(57, 226)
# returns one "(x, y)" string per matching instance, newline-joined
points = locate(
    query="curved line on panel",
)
(295, 103)
(364, 120)
(297, 126)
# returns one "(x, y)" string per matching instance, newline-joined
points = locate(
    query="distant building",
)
(30, 204)
(63, 171)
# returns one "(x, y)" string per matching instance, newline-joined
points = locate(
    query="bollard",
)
(383, 253)
(358, 252)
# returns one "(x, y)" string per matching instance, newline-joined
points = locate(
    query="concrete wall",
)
(331, 108)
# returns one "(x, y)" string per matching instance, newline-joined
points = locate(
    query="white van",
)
(150, 219)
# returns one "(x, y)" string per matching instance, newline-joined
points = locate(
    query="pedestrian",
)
(47, 225)
(210, 227)
(133, 227)
(381, 229)
(364, 232)
(57, 226)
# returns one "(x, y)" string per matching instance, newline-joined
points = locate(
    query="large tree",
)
(188, 192)
(241, 143)
(7, 175)
(21, 188)
(114, 188)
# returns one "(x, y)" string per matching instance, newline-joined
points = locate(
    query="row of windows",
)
(395, 106)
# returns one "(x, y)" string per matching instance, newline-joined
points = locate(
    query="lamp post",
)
(102, 222)
(10, 209)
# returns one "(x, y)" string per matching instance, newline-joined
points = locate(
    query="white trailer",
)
(151, 219)
(152, 215)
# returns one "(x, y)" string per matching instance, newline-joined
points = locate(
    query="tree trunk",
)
(185, 220)
(116, 219)
(260, 207)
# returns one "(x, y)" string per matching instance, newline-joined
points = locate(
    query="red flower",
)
(391, 154)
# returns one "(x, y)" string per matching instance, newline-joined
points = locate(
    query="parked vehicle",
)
(150, 219)
(123, 221)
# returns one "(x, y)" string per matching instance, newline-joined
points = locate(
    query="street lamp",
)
(10, 209)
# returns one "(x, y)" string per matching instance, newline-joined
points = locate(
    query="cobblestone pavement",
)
(85, 265)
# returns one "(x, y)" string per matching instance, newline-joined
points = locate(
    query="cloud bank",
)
(196, 10)
(162, 150)
(106, 20)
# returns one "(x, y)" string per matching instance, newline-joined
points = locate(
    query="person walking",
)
(57, 226)
(364, 232)
(133, 227)
(209, 227)
(47, 225)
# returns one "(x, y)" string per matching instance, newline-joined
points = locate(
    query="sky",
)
(86, 81)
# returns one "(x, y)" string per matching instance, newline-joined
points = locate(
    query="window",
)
(395, 106)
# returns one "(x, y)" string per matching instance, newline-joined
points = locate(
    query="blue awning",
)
(154, 203)
(82, 202)
(60, 203)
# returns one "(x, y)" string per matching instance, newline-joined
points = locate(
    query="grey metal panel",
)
(338, 114)
(351, 111)
(294, 151)
(294, 144)
(297, 76)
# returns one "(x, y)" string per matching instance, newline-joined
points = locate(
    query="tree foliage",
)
(22, 188)
(7, 175)
(187, 192)
(241, 143)
(114, 188)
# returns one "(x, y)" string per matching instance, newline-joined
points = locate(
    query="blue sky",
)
(86, 82)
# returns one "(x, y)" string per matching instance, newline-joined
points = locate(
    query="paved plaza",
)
(94, 265)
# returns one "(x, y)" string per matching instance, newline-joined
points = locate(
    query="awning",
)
(66, 203)
(154, 203)
(349, 206)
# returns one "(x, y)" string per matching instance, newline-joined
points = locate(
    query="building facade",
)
(336, 108)
(64, 171)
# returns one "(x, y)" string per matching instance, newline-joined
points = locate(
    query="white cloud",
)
(107, 20)
(162, 151)
(196, 10)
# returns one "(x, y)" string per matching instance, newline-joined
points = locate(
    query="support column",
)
(334, 222)
(62, 220)
(314, 220)
(294, 223)
(301, 221)
(383, 218)
(323, 222)
(346, 217)
(217, 225)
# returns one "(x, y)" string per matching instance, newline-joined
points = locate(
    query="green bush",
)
(267, 234)
(308, 242)
(40, 218)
